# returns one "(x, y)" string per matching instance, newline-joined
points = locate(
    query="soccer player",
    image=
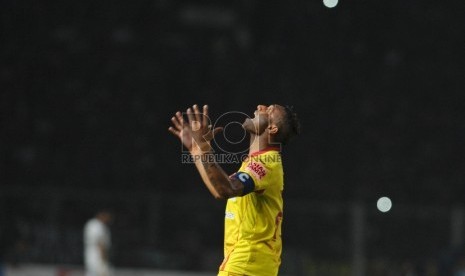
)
(254, 209)
(97, 242)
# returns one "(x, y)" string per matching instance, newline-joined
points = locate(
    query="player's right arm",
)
(196, 135)
(103, 251)
(217, 181)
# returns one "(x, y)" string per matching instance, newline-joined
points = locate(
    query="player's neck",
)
(258, 143)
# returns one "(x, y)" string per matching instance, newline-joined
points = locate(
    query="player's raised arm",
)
(196, 134)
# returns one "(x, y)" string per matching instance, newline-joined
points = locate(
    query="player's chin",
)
(248, 126)
(247, 123)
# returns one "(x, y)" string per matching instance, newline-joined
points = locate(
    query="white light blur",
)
(384, 204)
(330, 3)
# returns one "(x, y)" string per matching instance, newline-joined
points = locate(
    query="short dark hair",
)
(289, 125)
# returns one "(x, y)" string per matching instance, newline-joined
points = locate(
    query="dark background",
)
(87, 90)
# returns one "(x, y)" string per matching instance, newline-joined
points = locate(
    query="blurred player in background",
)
(97, 242)
(254, 209)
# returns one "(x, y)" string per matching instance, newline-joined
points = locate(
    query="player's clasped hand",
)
(196, 133)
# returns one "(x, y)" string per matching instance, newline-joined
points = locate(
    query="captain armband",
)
(246, 180)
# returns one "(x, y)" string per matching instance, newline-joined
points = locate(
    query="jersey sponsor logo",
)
(257, 169)
(229, 215)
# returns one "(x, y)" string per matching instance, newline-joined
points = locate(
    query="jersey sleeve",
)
(260, 171)
(246, 180)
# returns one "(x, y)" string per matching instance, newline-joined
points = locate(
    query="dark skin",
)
(196, 135)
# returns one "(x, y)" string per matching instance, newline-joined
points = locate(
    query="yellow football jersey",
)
(252, 242)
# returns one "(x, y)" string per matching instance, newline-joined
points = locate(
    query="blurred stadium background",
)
(88, 89)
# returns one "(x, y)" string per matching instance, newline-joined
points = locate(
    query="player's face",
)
(264, 116)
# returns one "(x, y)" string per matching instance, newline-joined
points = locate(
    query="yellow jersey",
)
(252, 242)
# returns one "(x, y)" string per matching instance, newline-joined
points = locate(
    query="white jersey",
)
(96, 235)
